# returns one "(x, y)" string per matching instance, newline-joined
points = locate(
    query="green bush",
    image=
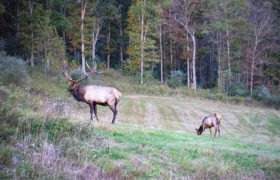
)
(176, 79)
(13, 69)
(147, 76)
(261, 92)
(5, 156)
(238, 90)
(26, 171)
(56, 129)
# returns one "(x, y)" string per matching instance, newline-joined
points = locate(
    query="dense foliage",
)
(230, 45)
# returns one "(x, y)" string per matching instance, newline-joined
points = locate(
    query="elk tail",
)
(218, 117)
(117, 94)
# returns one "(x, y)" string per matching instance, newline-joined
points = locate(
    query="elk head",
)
(74, 84)
(199, 131)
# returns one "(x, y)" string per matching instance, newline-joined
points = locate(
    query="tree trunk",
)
(161, 61)
(83, 10)
(228, 54)
(93, 42)
(188, 62)
(142, 44)
(252, 69)
(219, 68)
(108, 38)
(32, 34)
(194, 53)
(121, 44)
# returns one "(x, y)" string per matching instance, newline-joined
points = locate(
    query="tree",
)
(262, 25)
(184, 13)
(96, 21)
(31, 22)
(226, 28)
(83, 12)
(142, 25)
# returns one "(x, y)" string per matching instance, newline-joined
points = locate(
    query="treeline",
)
(230, 45)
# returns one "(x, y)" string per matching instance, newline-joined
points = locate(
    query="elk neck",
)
(78, 94)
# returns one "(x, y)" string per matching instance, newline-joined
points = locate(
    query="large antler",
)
(89, 73)
(67, 75)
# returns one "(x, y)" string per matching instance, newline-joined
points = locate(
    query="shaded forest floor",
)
(46, 134)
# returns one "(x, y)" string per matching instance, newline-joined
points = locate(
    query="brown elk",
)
(94, 95)
(210, 121)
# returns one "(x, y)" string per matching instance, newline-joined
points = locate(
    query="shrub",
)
(239, 90)
(261, 92)
(5, 156)
(176, 79)
(58, 129)
(13, 69)
(147, 76)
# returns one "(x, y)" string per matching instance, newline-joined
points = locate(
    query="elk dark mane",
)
(77, 94)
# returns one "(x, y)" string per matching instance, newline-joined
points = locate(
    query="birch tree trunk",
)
(83, 11)
(252, 68)
(94, 40)
(142, 43)
(188, 62)
(93, 46)
(219, 68)
(193, 64)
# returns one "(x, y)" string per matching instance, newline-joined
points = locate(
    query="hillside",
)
(45, 133)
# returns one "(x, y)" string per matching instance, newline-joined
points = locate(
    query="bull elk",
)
(210, 121)
(94, 95)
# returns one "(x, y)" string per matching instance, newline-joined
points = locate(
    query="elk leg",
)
(91, 111)
(216, 129)
(203, 129)
(210, 132)
(95, 111)
(219, 130)
(115, 112)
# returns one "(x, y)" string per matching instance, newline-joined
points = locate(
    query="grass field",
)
(154, 138)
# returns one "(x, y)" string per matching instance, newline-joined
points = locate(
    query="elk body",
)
(94, 95)
(209, 122)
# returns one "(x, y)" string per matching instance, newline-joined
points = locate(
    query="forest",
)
(163, 65)
(231, 46)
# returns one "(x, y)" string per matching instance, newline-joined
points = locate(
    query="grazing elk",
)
(209, 122)
(94, 95)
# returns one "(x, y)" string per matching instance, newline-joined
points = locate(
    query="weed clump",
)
(13, 70)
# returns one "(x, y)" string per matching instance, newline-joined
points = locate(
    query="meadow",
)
(46, 134)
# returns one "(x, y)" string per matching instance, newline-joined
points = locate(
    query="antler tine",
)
(89, 73)
(66, 74)
(91, 70)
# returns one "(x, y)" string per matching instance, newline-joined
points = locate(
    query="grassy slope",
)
(154, 137)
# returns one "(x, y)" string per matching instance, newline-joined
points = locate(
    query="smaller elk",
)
(94, 95)
(209, 122)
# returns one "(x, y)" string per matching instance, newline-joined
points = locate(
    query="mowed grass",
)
(154, 137)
